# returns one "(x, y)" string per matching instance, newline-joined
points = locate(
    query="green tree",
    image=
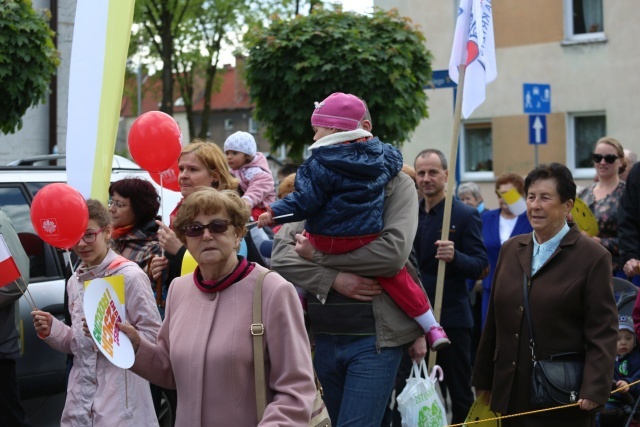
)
(187, 37)
(28, 61)
(380, 57)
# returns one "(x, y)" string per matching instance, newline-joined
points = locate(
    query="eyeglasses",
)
(609, 158)
(90, 236)
(118, 204)
(217, 226)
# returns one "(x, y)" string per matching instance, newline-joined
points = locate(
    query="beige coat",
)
(205, 351)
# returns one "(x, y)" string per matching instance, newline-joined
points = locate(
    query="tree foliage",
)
(28, 61)
(187, 37)
(380, 57)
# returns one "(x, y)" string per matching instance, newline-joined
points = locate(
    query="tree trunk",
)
(206, 107)
(167, 63)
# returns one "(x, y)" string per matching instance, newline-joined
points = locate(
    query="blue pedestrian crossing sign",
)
(537, 129)
(536, 98)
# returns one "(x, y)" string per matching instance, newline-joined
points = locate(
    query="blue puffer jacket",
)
(340, 189)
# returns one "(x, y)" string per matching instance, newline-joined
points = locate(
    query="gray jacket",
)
(9, 294)
(382, 257)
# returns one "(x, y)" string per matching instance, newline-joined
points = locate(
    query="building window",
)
(281, 152)
(583, 19)
(583, 130)
(253, 125)
(476, 150)
(228, 124)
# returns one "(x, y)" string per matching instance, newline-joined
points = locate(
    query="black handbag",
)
(556, 380)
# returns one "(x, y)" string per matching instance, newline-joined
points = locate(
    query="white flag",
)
(473, 45)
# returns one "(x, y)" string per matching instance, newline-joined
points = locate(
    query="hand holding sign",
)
(104, 309)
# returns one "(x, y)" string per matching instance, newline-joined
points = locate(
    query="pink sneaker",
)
(437, 338)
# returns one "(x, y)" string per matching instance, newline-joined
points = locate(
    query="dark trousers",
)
(455, 362)
(11, 412)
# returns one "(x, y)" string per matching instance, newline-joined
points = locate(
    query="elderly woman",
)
(571, 302)
(498, 226)
(603, 197)
(133, 207)
(200, 163)
(469, 194)
(205, 348)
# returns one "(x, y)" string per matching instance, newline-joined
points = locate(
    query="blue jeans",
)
(357, 377)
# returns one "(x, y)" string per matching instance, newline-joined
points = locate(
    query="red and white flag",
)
(473, 45)
(8, 269)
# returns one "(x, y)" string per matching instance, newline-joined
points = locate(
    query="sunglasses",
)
(609, 158)
(217, 226)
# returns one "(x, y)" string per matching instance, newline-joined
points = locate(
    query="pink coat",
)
(99, 393)
(256, 182)
(205, 351)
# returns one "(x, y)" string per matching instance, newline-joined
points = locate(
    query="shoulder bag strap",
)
(257, 330)
(525, 290)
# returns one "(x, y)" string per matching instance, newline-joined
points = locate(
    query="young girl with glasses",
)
(99, 393)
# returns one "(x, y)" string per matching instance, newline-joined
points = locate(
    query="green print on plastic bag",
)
(430, 417)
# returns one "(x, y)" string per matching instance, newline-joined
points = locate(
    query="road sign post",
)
(536, 101)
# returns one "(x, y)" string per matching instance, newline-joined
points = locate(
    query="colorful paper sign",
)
(104, 307)
(584, 218)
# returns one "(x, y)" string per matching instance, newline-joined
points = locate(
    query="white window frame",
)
(578, 173)
(281, 152)
(254, 126)
(465, 175)
(570, 37)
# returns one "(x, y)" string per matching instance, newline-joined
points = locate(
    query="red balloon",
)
(169, 177)
(59, 215)
(155, 141)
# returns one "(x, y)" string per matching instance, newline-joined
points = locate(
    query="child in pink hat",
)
(340, 194)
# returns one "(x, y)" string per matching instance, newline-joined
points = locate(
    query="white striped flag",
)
(8, 269)
(101, 33)
(474, 47)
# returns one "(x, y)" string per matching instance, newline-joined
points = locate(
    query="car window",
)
(13, 202)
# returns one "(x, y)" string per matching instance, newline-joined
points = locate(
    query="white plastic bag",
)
(419, 403)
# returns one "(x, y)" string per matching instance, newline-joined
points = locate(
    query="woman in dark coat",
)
(572, 308)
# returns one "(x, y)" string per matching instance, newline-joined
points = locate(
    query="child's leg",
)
(412, 300)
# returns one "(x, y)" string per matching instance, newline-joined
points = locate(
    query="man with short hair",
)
(466, 258)
(11, 412)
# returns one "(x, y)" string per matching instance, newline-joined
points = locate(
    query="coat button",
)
(513, 363)
(520, 308)
(516, 336)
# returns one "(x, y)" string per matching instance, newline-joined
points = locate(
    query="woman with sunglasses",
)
(205, 348)
(99, 393)
(603, 197)
(200, 163)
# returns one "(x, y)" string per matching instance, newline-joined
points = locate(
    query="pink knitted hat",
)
(339, 111)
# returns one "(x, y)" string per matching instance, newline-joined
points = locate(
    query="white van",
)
(42, 370)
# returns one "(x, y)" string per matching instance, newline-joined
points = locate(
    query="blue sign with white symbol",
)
(537, 130)
(439, 80)
(536, 98)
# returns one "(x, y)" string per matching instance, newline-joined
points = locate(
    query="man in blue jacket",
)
(466, 258)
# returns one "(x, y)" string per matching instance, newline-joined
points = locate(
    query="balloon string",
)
(73, 272)
(162, 207)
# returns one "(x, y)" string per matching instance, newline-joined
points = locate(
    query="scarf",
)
(241, 271)
(121, 232)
